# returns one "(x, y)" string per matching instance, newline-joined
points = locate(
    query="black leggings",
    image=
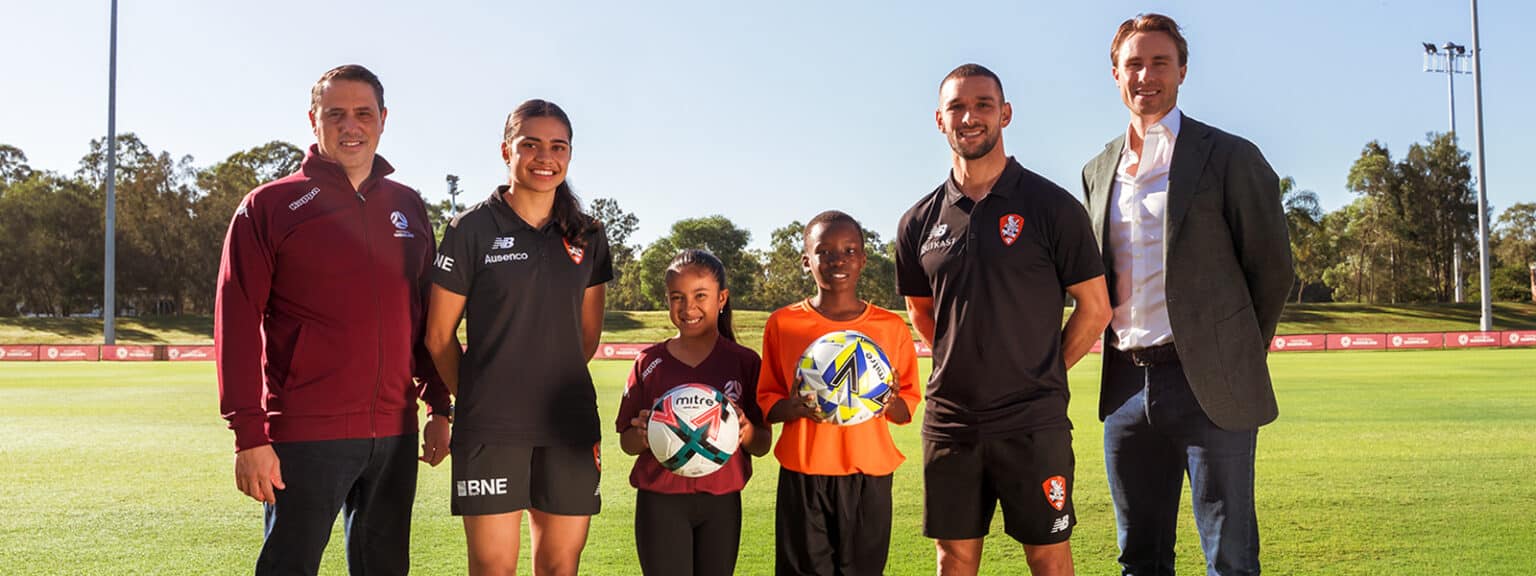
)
(682, 534)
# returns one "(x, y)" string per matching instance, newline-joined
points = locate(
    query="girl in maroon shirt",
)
(692, 525)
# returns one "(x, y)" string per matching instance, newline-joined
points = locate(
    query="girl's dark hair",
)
(574, 224)
(702, 259)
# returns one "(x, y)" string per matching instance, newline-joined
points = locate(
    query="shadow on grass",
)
(620, 320)
(130, 330)
(647, 326)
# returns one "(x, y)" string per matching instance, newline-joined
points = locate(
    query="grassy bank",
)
(653, 326)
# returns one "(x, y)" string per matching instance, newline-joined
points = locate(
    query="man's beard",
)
(981, 150)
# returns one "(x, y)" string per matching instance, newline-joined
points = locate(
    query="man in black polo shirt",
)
(983, 261)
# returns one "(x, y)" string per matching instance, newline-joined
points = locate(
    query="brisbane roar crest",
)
(1055, 491)
(1009, 227)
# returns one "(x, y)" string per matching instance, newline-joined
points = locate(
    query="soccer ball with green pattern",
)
(693, 430)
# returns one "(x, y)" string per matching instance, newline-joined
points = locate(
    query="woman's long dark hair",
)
(574, 224)
(703, 260)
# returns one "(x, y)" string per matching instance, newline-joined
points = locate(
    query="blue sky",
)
(764, 112)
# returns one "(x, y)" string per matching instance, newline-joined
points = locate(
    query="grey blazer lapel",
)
(1190, 152)
(1100, 181)
(1101, 187)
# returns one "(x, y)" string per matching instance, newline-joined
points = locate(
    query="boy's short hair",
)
(829, 218)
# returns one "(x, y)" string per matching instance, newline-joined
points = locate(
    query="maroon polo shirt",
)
(730, 368)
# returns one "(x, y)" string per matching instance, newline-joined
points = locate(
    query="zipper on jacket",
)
(378, 315)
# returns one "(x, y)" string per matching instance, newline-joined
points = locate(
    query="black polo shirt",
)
(523, 379)
(997, 271)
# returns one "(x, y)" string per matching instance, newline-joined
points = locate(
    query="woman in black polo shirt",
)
(529, 268)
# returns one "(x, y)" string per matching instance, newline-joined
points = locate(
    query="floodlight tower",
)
(109, 275)
(1452, 60)
(453, 193)
(1482, 181)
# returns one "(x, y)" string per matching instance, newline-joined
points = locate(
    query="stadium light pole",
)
(1486, 322)
(1452, 63)
(109, 275)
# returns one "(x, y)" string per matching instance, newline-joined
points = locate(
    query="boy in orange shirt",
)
(834, 494)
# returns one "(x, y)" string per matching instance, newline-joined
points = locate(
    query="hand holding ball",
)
(693, 430)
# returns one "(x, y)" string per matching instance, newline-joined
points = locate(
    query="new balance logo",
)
(485, 487)
(503, 243)
(1061, 523)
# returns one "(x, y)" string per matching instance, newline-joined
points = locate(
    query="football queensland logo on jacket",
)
(402, 226)
(1009, 227)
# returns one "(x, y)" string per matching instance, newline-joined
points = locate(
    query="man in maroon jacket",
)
(321, 299)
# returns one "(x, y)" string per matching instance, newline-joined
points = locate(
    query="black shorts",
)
(687, 534)
(498, 478)
(832, 524)
(1029, 474)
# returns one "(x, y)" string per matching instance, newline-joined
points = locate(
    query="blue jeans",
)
(372, 481)
(1156, 434)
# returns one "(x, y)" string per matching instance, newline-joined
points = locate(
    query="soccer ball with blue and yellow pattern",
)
(847, 375)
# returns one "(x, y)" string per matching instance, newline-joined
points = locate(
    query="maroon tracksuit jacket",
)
(321, 306)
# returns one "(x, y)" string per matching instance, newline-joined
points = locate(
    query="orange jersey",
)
(824, 449)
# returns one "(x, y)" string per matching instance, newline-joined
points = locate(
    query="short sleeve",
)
(602, 263)
(771, 384)
(911, 279)
(454, 266)
(1074, 249)
(634, 399)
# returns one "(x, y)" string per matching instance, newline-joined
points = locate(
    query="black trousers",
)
(371, 481)
(832, 525)
(683, 534)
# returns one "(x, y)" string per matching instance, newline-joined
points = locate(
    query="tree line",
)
(1391, 244)
(1397, 241)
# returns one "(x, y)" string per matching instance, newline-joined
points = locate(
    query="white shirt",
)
(1137, 208)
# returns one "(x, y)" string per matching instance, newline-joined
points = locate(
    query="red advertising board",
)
(1415, 341)
(54, 353)
(1520, 338)
(127, 353)
(18, 353)
(188, 353)
(1299, 343)
(619, 351)
(1471, 339)
(923, 350)
(1357, 341)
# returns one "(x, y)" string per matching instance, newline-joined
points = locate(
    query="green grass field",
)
(1381, 463)
(653, 326)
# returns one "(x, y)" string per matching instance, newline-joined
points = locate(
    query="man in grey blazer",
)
(1190, 223)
